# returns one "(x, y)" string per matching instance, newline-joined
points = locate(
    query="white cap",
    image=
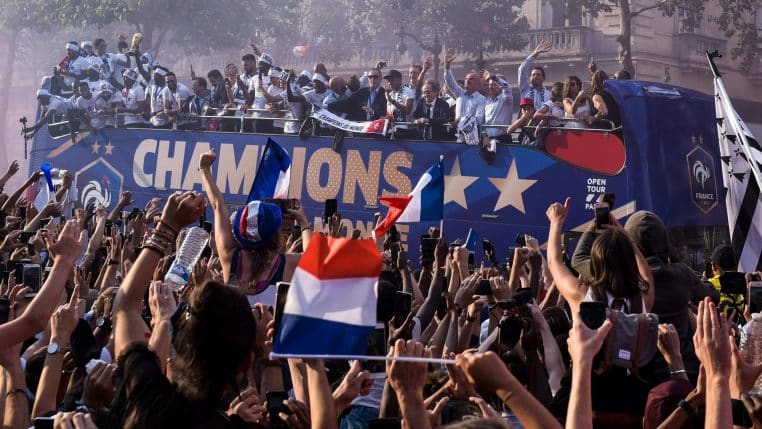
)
(86, 43)
(274, 72)
(42, 92)
(319, 77)
(160, 71)
(72, 47)
(306, 73)
(105, 86)
(266, 58)
(130, 74)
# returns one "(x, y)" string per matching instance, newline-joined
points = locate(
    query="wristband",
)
(679, 371)
(685, 406)
(15, 391)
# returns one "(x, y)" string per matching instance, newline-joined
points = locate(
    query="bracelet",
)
(685, 406)
(505, 398)
(679, 371)
(169, 227)
(15, 391)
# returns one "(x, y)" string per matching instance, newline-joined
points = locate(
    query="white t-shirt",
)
(259, 99)
(100, 103)
(76, 66)
(88, 105)
(95, 85)
(118, 69)
(401, 96)
(153, 94)
(59, 104)
(314, 98)
(133, 96)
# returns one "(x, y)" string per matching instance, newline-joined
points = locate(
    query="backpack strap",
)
(635, 358)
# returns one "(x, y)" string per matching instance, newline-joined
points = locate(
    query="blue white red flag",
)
(273, 174)
(331, 305)
(471, 240)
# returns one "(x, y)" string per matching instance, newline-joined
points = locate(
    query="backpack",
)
(631, 343)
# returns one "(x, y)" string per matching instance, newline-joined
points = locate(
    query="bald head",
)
(337, 84)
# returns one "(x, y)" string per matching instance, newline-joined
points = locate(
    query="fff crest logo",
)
(99, 184)
(702, 178)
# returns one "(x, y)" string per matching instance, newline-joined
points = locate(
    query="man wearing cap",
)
(532, 79)
(107, 104)
(522, 122)
(400, 100)
(135, 103)
(469, 102)
(73, 66)
(724, 261)
(52, 105)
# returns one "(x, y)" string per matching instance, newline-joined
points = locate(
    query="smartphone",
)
(43, 422)
(394, 234)
(489, 252)
(385, 423)
(593, 313)
(403, 301)
(26, 236)
(521, 240)
(135, 212)
(602, 215)
(755, 296)
(733, 283)
(31, 275)
(484, 288)
(281, 292)
(329, 209)
(45, 221)
(428, 246)
(109, 225)
(395, 251)
(22, 213)
(523, 296)
(207, 226)
(5, 308)
(470, 259)
(509, 258)
(275, 406)
(376, 347)
(62, 219)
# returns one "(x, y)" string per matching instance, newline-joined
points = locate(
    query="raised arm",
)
(13, 168)
(568, 285)
(322, 409)
(14, 198)
(526, 65)
(223, 231)
(427, 64)
(180, 210)
(37, 314)
(451, 84)
(430, 304)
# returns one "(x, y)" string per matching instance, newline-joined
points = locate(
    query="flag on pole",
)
(273, 174)
(741, 157)
(424, 203)
(331, 304)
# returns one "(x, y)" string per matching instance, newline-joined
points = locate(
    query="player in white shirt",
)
(107, 104)
(399, 101)
(174, 97)
(52, 106)
(154, 97)
(73, 69)
(135, 101)
(86, 105)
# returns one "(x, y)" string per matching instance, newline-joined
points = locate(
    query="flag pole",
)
(274, 355)
(711, 56)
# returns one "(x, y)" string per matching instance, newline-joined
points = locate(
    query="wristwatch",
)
(54, 348)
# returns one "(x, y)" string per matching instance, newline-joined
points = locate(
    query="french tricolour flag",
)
(424, 203)
(331, 305)
(273, 174)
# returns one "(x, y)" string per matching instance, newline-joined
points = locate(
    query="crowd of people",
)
(130, 88)
(614, 333)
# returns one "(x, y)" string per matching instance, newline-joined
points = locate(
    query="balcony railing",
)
(690, 48)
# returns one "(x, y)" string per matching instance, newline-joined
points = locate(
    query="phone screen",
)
(428, 245)
(403, 301)
(5, 308)
(489, 252)
(593, 313)
(484, 288)
(43, 423)
(329, 209)
(280, 303)
(755, 297)
(32, 276)
(602, 215)
(376, 347)
(275, 406)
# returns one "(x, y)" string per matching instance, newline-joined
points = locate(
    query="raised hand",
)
(99, 386)
(712, 342)
(407, 377)
(161, 301)
(584, 342)
(69, 245)
(182, 209)
(207, 159)
(557, 212)
(542, 47)
(450, 56)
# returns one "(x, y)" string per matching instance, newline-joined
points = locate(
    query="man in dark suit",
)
(367, 104)
(430, 114)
